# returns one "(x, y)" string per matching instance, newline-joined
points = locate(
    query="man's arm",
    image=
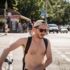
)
(12, 47)
(48, 55)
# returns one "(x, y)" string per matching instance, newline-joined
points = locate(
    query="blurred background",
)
(16, 20)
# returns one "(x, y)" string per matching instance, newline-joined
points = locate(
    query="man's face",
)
(41, 30)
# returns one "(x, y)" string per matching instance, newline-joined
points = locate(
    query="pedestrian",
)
(29, 27)
(19, 27)
(36, 48)
(24, 26)
(6, 28)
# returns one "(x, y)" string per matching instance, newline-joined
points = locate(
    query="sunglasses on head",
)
(42, 30)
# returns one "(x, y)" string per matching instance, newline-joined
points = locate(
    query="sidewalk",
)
(5, 40)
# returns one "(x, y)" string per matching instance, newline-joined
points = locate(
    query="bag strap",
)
(28, 44)
(27, 47)
(46, 42)
(26, 50)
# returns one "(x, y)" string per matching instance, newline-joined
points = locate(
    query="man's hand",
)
(41, 67)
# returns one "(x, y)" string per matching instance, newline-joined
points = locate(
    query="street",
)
(60, 44)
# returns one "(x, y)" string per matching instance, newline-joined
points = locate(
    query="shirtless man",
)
(35, 55)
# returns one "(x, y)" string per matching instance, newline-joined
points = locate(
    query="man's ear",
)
(33, 29)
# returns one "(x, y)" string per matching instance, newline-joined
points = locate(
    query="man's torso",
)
(35, 54)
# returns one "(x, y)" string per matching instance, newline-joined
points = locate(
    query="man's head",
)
(40, 28)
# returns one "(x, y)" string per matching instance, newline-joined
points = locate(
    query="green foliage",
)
(28, 8)
(10, 3)
(58, 11)
(2, 2)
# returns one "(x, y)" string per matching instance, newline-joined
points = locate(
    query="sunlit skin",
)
(41, 34)
(36, 52)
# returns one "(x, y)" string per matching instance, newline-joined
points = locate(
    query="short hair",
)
(38, 23)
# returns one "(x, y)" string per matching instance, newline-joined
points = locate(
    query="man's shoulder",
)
(23, 40)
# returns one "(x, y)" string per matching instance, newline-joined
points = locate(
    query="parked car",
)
(53, 28)
(68, 27)
(64, 30)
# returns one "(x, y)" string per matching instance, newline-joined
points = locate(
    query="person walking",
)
(6, 28)
(36, 48)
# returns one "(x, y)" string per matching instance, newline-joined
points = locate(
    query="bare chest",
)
(37, 48)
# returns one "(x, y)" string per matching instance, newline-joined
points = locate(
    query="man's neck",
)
(36, 38)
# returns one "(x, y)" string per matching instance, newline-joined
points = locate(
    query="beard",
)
(41, 36)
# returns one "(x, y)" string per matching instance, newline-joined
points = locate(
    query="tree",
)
(67, 13)
(56, 10)
(28, 8)
(9, 2)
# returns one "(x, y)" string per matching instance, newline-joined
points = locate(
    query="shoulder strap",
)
(46, 42)
(26, 50)
(28, 44)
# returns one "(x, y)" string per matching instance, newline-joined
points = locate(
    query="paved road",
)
(60, 50)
